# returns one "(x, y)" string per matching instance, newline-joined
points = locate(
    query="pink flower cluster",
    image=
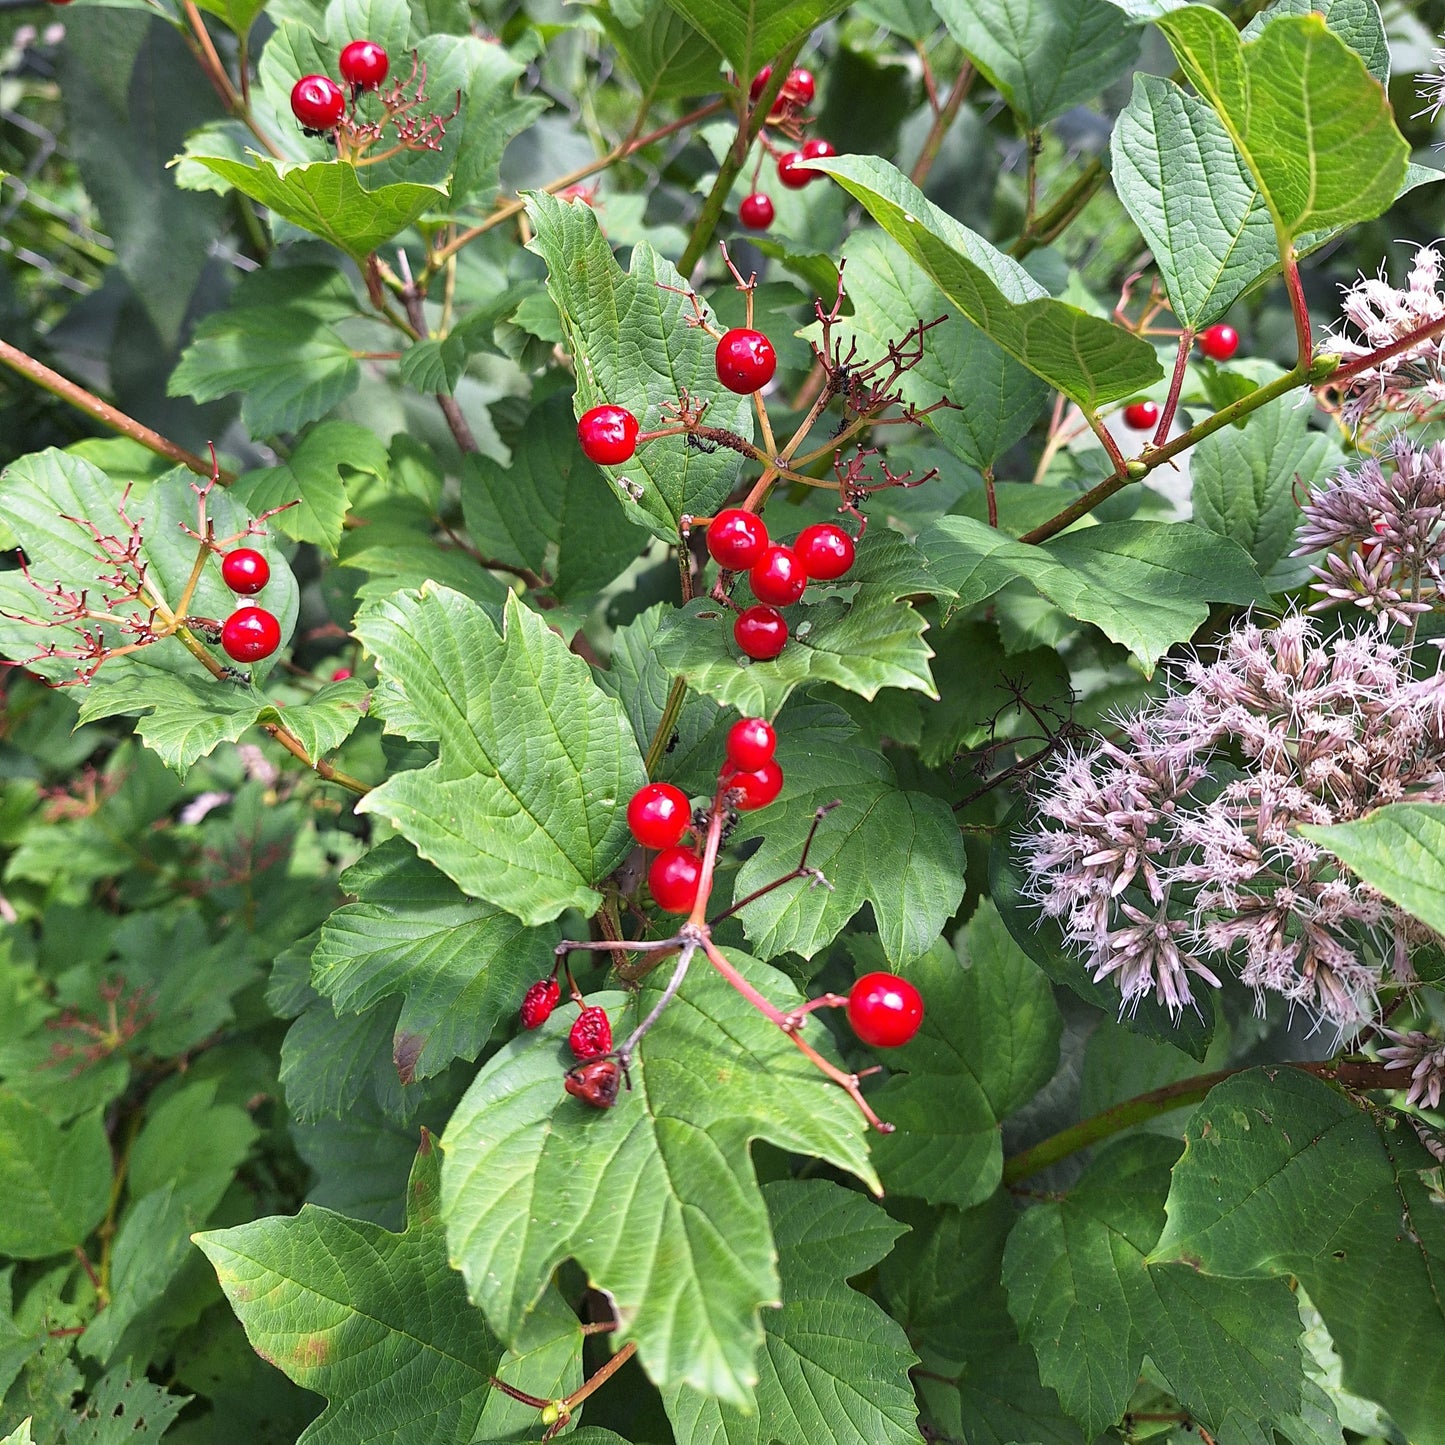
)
(1170, 855)
(1424, 1056)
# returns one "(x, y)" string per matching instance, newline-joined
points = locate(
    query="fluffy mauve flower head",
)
(1424, 1056)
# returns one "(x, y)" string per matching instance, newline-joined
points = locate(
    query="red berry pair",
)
(250, 633)
(793, 175)
(798, 89)
(752, 774)
(319, 103)
(658, 815)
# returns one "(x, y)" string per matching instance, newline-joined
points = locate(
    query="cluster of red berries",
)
(1218, 343)
(319, 103)
(738, 541)
(250, 633)
(756, 210)
(596, 1078)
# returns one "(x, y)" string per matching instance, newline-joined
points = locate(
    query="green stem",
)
(665, 724)
(1054, 221)
(941, 125)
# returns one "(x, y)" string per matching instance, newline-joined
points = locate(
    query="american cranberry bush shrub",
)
(627, 632)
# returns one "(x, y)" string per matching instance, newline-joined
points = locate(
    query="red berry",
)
(341, 674)
(758, 788)
(250, 633)
(760, 81)
(317, 102)
(1141, 415)
(1219, 342)
(884, 1010)
(756, 211)
(608, 435)
(539, 1001)
(825, 550)
(799, 87)
(777, 576)
(658, 815)
(736, 539)
(597, 1083)
(789, 172)
(817, 149)
(673, 879)
(750, 743)
(746, 360)
(245, 571)
(761, 632)
(363, 64)
(591, 1034)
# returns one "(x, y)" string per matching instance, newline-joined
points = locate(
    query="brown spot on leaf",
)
(405, 1051)
(311, 1351)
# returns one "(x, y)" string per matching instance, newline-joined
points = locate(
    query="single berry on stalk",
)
(318, 102)
(825, 550)
(777, 576)
(760, 81)
(673, 879)
(751, 742)
(591, 1034)
(539, 1001)
(1141, 415)
(363, 63)
(1219, 342)
(608, 435)
(250, 634)
(756, 789)
(817, 149)
(597, 1083)
(884, 1010)
(761, 632)
(245, 571)
(736, 539)
(799, 88)
(658, 815)
(791, 174)
(756, 211)
(745, 360)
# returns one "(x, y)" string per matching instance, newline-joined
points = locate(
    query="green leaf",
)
(56, 1182)
(325, 198)
(1244, 482)
(834, 1369)
(1399, 849)
(461, 966)
(20, 1435)
(634, 348)
(179, 718)
(750, 33)
(899, 851)
(375, 1321)
(1313, 125)
(1044, 56)
(124, 1408)
(1090, 360)
(533, 1177)
(191, 1143)
(876, 641)
(276, 345)
(995, 399)
(327, 718)
(989, 1043)
(1356, 22)
(330, 1062)
(240, 15)
(1283, 1175)
(550, 510)
(1084, 1299)
(1146, 585)
(525, 806)
(666, 56)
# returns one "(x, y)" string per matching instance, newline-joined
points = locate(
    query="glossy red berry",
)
(777, 576)
(597, 1083)
(758, 788)
(1219, 342)
(539, 1001)
(756, 211)
(884, 1010)
(245, 571)
(800, 87)
(250, 633)
(825, 550)
(791, 174)
(746, 360)
(317, 102)
(673, 879)
(363, 63)
(341, 674)
(750, 744)
(761, 632)
(591, 1034)
(608, 435)
(760, 81)
(736, 539)
(817, 149)
(1141, 415)
(658, 815)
